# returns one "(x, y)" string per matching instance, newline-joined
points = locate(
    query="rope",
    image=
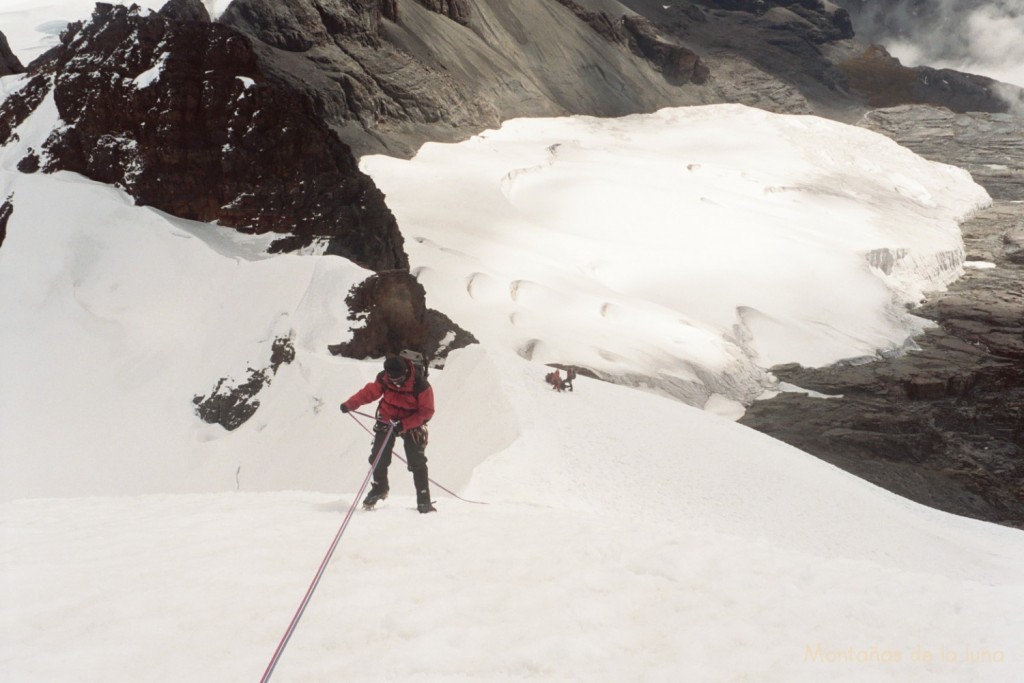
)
(323, 567)
(353, 413)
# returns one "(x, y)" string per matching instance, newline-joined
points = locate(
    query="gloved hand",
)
(398, 426)
(344, 408)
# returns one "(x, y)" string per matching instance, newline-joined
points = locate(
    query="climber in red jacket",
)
(407, 401)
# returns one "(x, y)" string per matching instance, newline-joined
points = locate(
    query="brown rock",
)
(393, 316)
(6, 209)
(678, 64)
(186, 10)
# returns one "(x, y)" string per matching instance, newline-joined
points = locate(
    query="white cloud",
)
(986, 39)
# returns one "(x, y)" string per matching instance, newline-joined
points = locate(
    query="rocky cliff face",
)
(333, 52)
(179, 114)
(390, 76)
(678, 64)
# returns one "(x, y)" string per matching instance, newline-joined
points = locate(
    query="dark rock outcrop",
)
(186, 10)
(30, 162)
(9, 63)
(231, 404)
(6, 210)
(389, 308)
(180, 115)
(678, 64)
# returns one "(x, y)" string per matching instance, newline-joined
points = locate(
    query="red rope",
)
(323, 567)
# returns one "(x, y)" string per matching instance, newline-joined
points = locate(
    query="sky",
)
(625, 534)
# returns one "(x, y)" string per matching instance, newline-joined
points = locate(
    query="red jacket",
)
(412, 403)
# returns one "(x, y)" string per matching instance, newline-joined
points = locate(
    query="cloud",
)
(985, 38)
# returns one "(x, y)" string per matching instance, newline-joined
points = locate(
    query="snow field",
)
(201, 587)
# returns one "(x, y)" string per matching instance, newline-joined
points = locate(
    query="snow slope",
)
(625, 537)
(122, 315)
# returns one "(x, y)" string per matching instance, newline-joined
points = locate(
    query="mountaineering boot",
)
(377, 492)
(422, 483)
(423, 503)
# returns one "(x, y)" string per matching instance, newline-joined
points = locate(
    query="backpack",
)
(418, 360)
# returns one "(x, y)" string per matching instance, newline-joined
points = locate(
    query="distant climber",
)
(554, 378)
(407, 400)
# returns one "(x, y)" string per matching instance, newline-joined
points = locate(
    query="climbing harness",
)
(451, 493)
